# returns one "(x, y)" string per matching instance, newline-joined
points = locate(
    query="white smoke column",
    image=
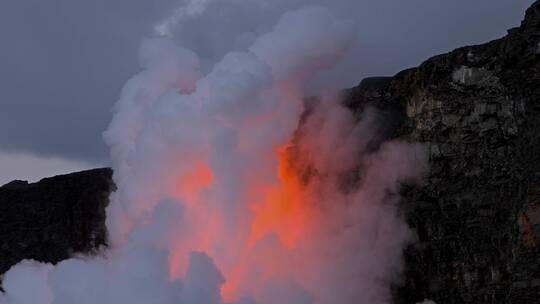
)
(210, 206)
(184, 9)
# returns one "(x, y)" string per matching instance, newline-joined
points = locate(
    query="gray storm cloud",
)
(64, 62)
(224, 198)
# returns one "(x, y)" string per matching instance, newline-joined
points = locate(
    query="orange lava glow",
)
(189, 187)
(283, 211)
(190, 184)
(279, 209)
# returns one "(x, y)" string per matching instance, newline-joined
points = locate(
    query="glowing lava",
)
(284, 211)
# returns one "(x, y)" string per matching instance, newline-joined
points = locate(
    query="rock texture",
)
(50, 220)
(478, 216)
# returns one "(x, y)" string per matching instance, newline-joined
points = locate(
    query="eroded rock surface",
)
(478, 217)
(54, 218)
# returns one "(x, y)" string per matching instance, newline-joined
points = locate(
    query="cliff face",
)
(53, 219)
(478, 216)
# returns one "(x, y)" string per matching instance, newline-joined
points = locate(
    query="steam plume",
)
(223, 197)
(184, 10)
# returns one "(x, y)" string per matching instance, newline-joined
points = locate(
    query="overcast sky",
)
(63, 62)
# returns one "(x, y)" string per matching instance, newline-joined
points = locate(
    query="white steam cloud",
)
(223, 198)
(184, 9)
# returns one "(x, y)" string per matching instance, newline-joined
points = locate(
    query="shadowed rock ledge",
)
(54, 218)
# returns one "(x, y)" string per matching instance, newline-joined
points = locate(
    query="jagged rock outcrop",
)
(54, 218)
(477, 217)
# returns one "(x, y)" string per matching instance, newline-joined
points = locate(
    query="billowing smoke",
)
(185, 9)
(230, 190)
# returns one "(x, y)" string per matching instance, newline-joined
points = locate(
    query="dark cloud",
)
(63, 62)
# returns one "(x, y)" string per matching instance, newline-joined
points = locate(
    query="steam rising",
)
(223, 197)
(185, 9)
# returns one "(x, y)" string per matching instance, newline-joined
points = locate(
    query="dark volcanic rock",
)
(50, 220)
(478, 216)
